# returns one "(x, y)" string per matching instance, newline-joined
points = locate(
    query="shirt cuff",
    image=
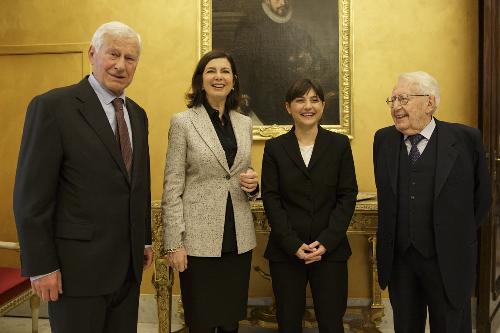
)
(254, 193)
(36, 277)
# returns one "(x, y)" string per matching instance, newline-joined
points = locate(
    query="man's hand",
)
(249, 181)
(178, 259)
(48, 287)
(148, 257)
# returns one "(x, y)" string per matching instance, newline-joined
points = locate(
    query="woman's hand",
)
(310, 253)
(316, 251)
(302, 252)
(249, 180)
(178, 259)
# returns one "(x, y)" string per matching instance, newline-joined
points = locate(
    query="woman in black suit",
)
(309, 190)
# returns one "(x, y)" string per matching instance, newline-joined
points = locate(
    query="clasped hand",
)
(310, 252)
(249, 181)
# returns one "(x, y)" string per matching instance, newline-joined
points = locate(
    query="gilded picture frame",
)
(210, 28)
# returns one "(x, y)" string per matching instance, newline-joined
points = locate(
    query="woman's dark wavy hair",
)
(300, 87)
(196, 96)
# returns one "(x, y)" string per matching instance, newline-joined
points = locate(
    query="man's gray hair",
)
(423, 82)
(114, 29)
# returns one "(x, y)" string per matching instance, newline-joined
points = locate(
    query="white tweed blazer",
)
(197, 180)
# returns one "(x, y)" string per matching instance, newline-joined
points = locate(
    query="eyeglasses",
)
(402, 99)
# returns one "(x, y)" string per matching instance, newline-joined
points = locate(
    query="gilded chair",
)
(16, 289)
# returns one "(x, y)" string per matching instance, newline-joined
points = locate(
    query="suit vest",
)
(415, 200)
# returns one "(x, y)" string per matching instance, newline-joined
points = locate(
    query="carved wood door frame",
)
(488, 306)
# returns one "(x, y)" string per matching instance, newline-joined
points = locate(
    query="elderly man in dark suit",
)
(82, 193)
(433, 191)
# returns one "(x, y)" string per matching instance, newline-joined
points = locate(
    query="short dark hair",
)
(300, 87)
(196, 96)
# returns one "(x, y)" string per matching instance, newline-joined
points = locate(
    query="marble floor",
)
(23, 325)
(17, 320)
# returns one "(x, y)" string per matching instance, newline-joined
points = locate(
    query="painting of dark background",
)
(270, 56)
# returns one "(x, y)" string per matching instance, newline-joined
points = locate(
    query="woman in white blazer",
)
(209, 230)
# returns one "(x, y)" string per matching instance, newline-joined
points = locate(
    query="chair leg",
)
(163, 279)
(35, 310)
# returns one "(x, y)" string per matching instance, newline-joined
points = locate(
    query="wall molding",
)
(38, 49)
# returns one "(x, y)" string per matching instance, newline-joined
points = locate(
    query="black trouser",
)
(415, 287)
(328, 282)
(112, 313)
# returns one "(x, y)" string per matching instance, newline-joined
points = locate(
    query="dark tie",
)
(122, 134)
(414, 152)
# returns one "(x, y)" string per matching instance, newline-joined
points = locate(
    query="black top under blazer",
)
(75, 207)
(305, 204)
(461, 199)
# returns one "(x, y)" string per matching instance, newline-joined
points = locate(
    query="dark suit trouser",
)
(112, 313)
(328, 281)
(416, 287)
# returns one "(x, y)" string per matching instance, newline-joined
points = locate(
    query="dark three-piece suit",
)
(429, 215)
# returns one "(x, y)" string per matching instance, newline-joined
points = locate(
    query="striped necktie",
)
(122, 134)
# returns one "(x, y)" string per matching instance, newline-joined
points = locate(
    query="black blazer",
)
(305, 204)
(462, 197)
(74, 205)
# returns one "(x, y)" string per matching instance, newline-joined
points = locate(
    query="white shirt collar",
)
(428, 130)
(104, 95)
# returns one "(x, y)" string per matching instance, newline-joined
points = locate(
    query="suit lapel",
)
(392, 149)
(291, 146)
(136, 137)
(446, 155)
(320, 144)
(203, 125)
(92, 111)
(241, 135)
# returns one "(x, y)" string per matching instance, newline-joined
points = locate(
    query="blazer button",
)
(228, 177)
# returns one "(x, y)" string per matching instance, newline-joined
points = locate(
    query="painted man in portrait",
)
(272, 50)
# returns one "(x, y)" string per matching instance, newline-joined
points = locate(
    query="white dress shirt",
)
(426, 133)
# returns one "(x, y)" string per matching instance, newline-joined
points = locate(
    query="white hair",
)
(114, 29)
(423, 82)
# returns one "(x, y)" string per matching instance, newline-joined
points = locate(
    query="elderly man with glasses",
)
(433, 190)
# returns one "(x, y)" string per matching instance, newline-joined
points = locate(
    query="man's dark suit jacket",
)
(74, 206)
(305, 204)
(462, 197)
